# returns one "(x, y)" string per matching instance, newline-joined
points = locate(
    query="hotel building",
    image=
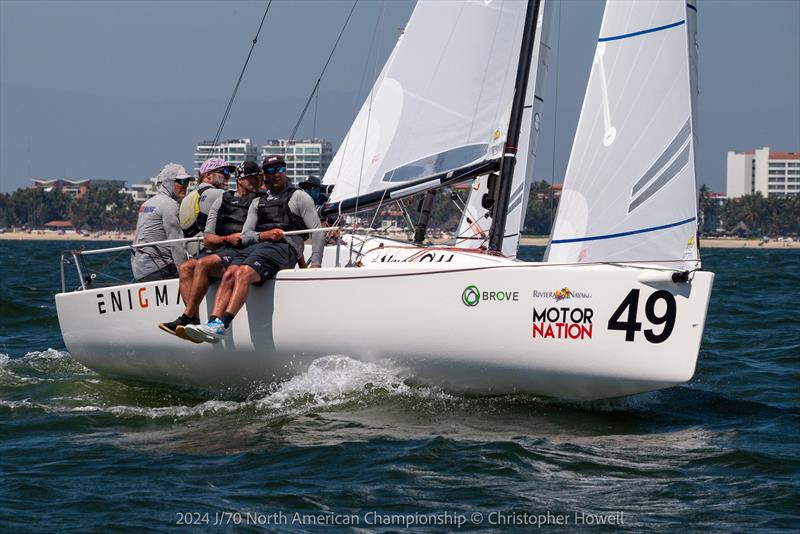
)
(304, 157)
(773, 174)
(234, 151)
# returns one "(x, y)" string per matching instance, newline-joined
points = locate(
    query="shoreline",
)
(69, 236)
(707, 242)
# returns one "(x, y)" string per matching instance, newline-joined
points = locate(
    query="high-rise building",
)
(304, 157)
(773, 174)
(234, 151)
(141, 192)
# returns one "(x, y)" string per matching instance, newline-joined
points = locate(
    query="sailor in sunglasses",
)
(284, 208)
(214, 176)
(158, 221)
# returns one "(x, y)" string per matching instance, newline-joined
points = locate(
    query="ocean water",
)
(348, 446)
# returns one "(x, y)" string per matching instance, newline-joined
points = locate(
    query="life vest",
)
(274, 212)
(232, 213)
(193, 220)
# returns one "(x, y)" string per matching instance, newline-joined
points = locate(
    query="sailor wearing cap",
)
(158, 221)
(283, 208)
(214, 176)
(313, 187)
(222, 234)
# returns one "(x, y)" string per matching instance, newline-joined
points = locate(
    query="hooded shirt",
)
(158, 221)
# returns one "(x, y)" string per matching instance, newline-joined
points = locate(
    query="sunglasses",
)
(273, 170)
(183, 181)
(223, 171)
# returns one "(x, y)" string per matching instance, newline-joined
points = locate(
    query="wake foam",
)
(329, 382)
(334, 380)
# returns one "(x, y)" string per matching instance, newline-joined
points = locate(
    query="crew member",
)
(284, 208)
(214, 176)
(223, 232)
(158, 221)
(313, 187)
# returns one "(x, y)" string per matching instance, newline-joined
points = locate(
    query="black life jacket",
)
(274, 212)
(232, 213)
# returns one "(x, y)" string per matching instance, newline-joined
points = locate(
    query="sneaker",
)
(176, 328)
(211, 331)
(180, 331)
(170, 327)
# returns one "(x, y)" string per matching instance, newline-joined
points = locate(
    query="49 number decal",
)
(630, 326)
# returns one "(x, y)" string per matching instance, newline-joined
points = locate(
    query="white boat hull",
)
(522, 334)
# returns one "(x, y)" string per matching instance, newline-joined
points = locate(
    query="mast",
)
(502, 191)
(424, 216)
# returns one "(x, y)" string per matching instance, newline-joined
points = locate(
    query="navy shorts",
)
(228, 255)
(267, 258)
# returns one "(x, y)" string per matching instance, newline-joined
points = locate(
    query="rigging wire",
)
(316, 108)
(366, 131)
(343, 149)
(555, 124)
(239, 81)
(322, 73)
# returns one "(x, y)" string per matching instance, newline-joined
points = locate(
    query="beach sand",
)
(67, 236)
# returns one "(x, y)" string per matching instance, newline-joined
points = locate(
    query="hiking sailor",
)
(223, 233)
(214, 175)
(158, 221)
(284, 208)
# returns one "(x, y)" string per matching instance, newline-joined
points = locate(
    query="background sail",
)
(629, 191)
(442, 101)
(473, 231)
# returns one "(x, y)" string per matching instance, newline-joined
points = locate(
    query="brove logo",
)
(471, 296)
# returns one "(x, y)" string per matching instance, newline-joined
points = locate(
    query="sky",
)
(115, 89)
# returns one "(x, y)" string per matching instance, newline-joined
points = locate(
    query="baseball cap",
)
(248, 168)
(212, 164)
(272, 160)
(313, 181)
(172, 172)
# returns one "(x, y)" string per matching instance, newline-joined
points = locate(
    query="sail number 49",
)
(630, 326)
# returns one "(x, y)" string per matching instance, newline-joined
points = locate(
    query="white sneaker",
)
(211, 331)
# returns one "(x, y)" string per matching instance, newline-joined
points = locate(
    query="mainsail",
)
(441, 103)
(474, 227)
(629, 191)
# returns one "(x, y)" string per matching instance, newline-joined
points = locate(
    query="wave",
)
(338, 383)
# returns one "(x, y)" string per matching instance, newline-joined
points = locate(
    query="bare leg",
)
(203, 271)
(185, 275)
(245, 276)
(225, 290)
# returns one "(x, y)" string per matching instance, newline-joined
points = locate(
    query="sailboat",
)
(617, 307)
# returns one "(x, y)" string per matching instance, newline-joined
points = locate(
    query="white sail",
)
(629, 191)
(442, 101)
(473, 231)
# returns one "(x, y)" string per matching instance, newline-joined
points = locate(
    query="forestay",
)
(442, 101)
(473, 231)
(629, 191)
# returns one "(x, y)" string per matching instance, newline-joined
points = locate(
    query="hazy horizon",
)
(115, 90)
